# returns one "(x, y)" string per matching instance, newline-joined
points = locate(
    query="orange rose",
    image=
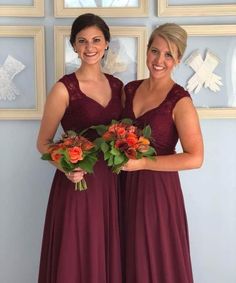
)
(112, 128)
(55, 156)
(120, 131)
(75, 154)
(132, 140)
(87, 146)
(107, 136)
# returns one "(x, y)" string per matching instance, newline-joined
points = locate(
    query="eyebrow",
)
(92, 37)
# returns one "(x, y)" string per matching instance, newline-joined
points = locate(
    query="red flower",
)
(121, 145)
(131, 153)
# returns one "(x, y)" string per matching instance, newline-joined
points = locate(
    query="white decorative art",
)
(10, 68)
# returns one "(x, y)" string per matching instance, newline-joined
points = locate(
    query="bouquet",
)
(122, 141)
(73, 151)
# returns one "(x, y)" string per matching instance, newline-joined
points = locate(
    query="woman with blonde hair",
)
(156, 244)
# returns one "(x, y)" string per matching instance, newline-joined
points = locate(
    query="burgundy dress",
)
(81, 235)
(156, 245)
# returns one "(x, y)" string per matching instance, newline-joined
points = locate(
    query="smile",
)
(91, 54)
(158, 68)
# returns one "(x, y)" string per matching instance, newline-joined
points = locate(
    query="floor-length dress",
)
(156, 245)
(81, 235)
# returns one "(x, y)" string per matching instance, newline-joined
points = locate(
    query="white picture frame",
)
(26, 44)
(22, 10)
(61, 10)
(194, 10)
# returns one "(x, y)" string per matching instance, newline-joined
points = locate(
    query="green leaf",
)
(66, 166)
(113, 121)
(81, 133)
(150, 152)
(127, 121)
(147, 131)
(115, 151)
(88, 163)
(104, 147)
(100, 129)
(139, 155)
(71, 133)
(110, 160)
(46, 156)
(98, 142)
(107, 155)
(118, 159)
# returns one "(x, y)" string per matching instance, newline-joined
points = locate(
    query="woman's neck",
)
(160, 84)
(90, 72)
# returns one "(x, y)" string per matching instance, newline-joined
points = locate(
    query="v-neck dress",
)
(155, 232)
(81, 242)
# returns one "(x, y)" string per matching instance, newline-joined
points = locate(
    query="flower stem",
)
(81, 185)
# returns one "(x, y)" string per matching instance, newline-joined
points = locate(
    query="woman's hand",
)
(76, 175)
(134, 165)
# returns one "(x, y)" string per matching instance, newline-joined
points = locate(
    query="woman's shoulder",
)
(131, 86)
(68, 78)
(114, 80)
(180, 91)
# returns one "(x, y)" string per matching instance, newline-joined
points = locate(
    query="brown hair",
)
(88, 20)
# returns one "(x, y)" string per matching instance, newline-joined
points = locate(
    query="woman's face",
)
(160, 60)
(90, 44)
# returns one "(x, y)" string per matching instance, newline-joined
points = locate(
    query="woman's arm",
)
(56, 104)
(187, 123)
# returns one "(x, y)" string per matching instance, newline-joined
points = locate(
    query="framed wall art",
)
(181, 8)
(124, 59)
(22, 72)
(22, 8)
(104, 8)
(208, 69)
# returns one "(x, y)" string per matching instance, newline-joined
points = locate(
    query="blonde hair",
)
(173, 34)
